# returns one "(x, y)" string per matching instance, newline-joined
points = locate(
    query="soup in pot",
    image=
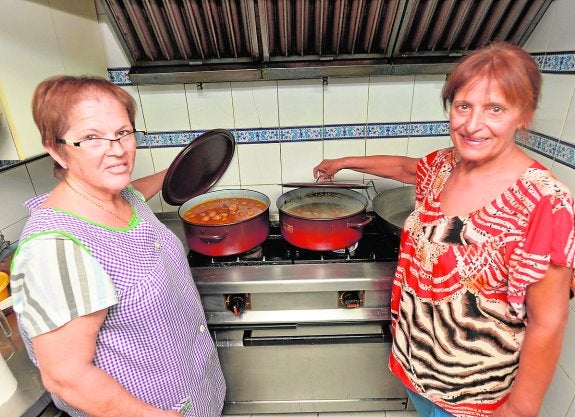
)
(224, 211)
(319, 210)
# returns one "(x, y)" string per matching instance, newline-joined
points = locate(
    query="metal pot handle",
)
(213, 238)
(366, 220)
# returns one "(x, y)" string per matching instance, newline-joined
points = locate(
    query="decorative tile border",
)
(119, 76)
(556, 62)
(549, 147)
(552, 148)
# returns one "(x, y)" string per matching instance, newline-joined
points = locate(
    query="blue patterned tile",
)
(4, 163)
(429, 129)
(556, 62)
(345, 132)
(295, 134)
(119, 76)
(388, 130)
(264, 135)
(565, 153)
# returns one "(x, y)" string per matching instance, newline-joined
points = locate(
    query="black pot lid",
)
(198, 166)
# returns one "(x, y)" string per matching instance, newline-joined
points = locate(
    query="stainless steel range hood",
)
(192, 41)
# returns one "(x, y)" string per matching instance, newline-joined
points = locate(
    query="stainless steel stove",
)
(303, 331)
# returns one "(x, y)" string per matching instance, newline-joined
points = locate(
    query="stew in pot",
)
(224, 211)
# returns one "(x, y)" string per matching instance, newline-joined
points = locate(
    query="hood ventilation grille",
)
(217, 40)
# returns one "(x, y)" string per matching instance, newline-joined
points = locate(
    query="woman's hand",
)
(326, 170)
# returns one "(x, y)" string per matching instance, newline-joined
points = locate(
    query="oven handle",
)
(331, 339)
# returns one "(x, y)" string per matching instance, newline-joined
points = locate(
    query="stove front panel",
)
(310, 368)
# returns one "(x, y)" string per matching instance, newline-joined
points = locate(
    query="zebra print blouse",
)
(458, 295)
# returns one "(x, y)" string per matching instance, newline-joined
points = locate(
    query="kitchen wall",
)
(285, 128)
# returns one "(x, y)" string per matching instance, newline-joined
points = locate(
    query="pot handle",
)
(213, 238)
(366, 220)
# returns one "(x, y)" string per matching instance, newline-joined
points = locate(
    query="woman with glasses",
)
(102, 290)
(481, 292)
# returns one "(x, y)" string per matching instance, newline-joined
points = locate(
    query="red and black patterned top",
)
(458, 295)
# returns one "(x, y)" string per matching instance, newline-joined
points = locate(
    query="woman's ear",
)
(56, 155)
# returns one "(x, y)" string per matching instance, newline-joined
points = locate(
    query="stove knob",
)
(236, 303)
(350, 299)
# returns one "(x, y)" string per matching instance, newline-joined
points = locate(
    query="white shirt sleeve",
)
(54, 279)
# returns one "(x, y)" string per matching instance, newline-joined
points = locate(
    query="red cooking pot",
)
(319, 218)
(226, 239)
(196, 169)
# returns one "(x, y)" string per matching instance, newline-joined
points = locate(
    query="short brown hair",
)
(512, 68)
(55, 97)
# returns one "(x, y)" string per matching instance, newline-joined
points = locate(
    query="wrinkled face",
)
(103, 170)
(483, 123)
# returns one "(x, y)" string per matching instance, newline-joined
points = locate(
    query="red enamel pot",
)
(319, 218)
(226, 239)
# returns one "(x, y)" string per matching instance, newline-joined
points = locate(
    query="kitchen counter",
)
(30, 398)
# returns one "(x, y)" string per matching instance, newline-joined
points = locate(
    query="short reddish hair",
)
(55, 97)
(507, 65)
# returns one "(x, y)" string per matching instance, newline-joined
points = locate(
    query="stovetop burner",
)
(376, 245)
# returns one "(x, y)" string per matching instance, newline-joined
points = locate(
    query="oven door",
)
(308, 368)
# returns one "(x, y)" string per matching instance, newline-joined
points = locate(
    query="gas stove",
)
(303, 331)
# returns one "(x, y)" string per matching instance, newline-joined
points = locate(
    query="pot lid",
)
(327, 184)
(198, 166)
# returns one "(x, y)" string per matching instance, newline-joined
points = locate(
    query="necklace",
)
(95, 203)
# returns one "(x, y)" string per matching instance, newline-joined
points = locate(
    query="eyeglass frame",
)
(79, 142)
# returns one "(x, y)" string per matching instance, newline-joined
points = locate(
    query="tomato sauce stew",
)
(225, 211)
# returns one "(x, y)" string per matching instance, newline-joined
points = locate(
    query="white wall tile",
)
(144, 164)
(390, 99)
(568, 133)
(7, 145)
(80, 54)
(13, 232)
(115, 56)
(255, 104)
(273, 192)
(427, 98)
(333, 149)
(139, 119)
(16, 189)
(300, 103)
(42, 174)
(232, 175)
(562, 36)
(560, 394)
(164, 107)
(566, 176)
(421, 146)
(298, 160)
(211, 106)
(556, 96)
(546, 162)
(259, 164)
(539, 38)
(163, 157)
(345, 100)
(567, 360)
(395, 146)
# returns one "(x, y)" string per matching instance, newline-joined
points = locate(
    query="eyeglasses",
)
(90, 142)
